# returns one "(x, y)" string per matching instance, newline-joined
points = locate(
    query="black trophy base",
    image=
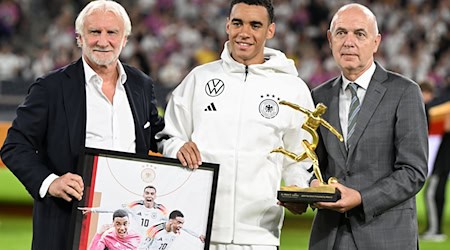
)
(308, 195)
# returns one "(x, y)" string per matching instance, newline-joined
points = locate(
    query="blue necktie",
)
(353, 111)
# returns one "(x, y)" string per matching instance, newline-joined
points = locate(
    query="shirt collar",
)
(90, 74)
(363, 80)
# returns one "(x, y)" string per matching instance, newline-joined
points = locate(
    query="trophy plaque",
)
(324, 192)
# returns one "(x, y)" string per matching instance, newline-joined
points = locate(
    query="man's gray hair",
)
(106, 5)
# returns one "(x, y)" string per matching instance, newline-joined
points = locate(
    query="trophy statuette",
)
(324, 192)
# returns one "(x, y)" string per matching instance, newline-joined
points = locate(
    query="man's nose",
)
(245, 30)
(349, 40)
(103, 39)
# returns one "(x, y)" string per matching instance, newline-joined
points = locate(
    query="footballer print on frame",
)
(142, 202)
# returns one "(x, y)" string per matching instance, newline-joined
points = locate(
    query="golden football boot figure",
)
(311, 124)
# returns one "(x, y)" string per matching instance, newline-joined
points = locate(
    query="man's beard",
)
(105, 61)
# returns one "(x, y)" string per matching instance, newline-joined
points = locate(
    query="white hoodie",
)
(236, 121)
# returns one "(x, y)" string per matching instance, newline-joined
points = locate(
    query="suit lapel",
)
(135, 95)
(372, 99)
(74, 99)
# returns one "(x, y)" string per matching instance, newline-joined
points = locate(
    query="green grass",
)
(15, 229)
(12, 191)
(15, 226)
(295, 233)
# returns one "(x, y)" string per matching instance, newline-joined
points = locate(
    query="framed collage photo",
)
(142, 202)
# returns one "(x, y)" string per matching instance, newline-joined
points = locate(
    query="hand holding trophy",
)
(324, 192)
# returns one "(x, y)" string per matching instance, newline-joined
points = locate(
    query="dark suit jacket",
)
(387, 165)
(49, 132)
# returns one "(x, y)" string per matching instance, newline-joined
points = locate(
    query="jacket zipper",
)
(246, 73)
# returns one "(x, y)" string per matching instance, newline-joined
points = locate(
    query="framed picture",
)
(155, 201)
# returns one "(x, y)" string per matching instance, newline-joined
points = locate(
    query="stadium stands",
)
(170, 37)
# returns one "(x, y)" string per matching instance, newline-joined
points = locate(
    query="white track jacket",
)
(232, 113)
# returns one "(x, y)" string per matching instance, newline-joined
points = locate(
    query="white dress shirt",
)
(108, 125)
(345, 96)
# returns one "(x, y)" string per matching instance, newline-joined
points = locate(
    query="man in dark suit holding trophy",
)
(383, 162)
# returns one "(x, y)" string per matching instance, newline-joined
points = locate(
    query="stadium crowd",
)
(170, 37)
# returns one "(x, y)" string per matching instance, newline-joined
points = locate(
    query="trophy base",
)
(324, 193)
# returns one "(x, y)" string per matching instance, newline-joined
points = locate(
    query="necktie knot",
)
(353, 87)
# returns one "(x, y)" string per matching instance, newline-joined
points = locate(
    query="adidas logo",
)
(211, 107)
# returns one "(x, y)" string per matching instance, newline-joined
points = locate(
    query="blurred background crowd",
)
(170, 37)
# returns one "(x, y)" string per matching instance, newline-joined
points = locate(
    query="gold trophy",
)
(324, 192)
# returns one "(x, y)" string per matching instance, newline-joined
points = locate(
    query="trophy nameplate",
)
(324, 192)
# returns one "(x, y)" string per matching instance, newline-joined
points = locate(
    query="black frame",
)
(177, 188)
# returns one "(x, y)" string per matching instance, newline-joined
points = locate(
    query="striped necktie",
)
(353, 111)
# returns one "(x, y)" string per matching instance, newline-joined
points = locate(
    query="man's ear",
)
(227, 26)
(329, 38)
(377, 42)
(79, 40)
(270, 31)
(125, 40)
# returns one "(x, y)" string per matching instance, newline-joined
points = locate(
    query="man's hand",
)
(350, 198)
(314, 183)
(295, 208)
(189, 155)
(67, 187)
(202, 238)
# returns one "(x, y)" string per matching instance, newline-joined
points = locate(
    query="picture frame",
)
(116, 180)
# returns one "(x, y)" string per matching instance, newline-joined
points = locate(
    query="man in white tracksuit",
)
(228, 112)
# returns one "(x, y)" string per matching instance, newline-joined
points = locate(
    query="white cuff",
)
(46, 184)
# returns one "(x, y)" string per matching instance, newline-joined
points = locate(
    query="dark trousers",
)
(435, 190)
(344, 237)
